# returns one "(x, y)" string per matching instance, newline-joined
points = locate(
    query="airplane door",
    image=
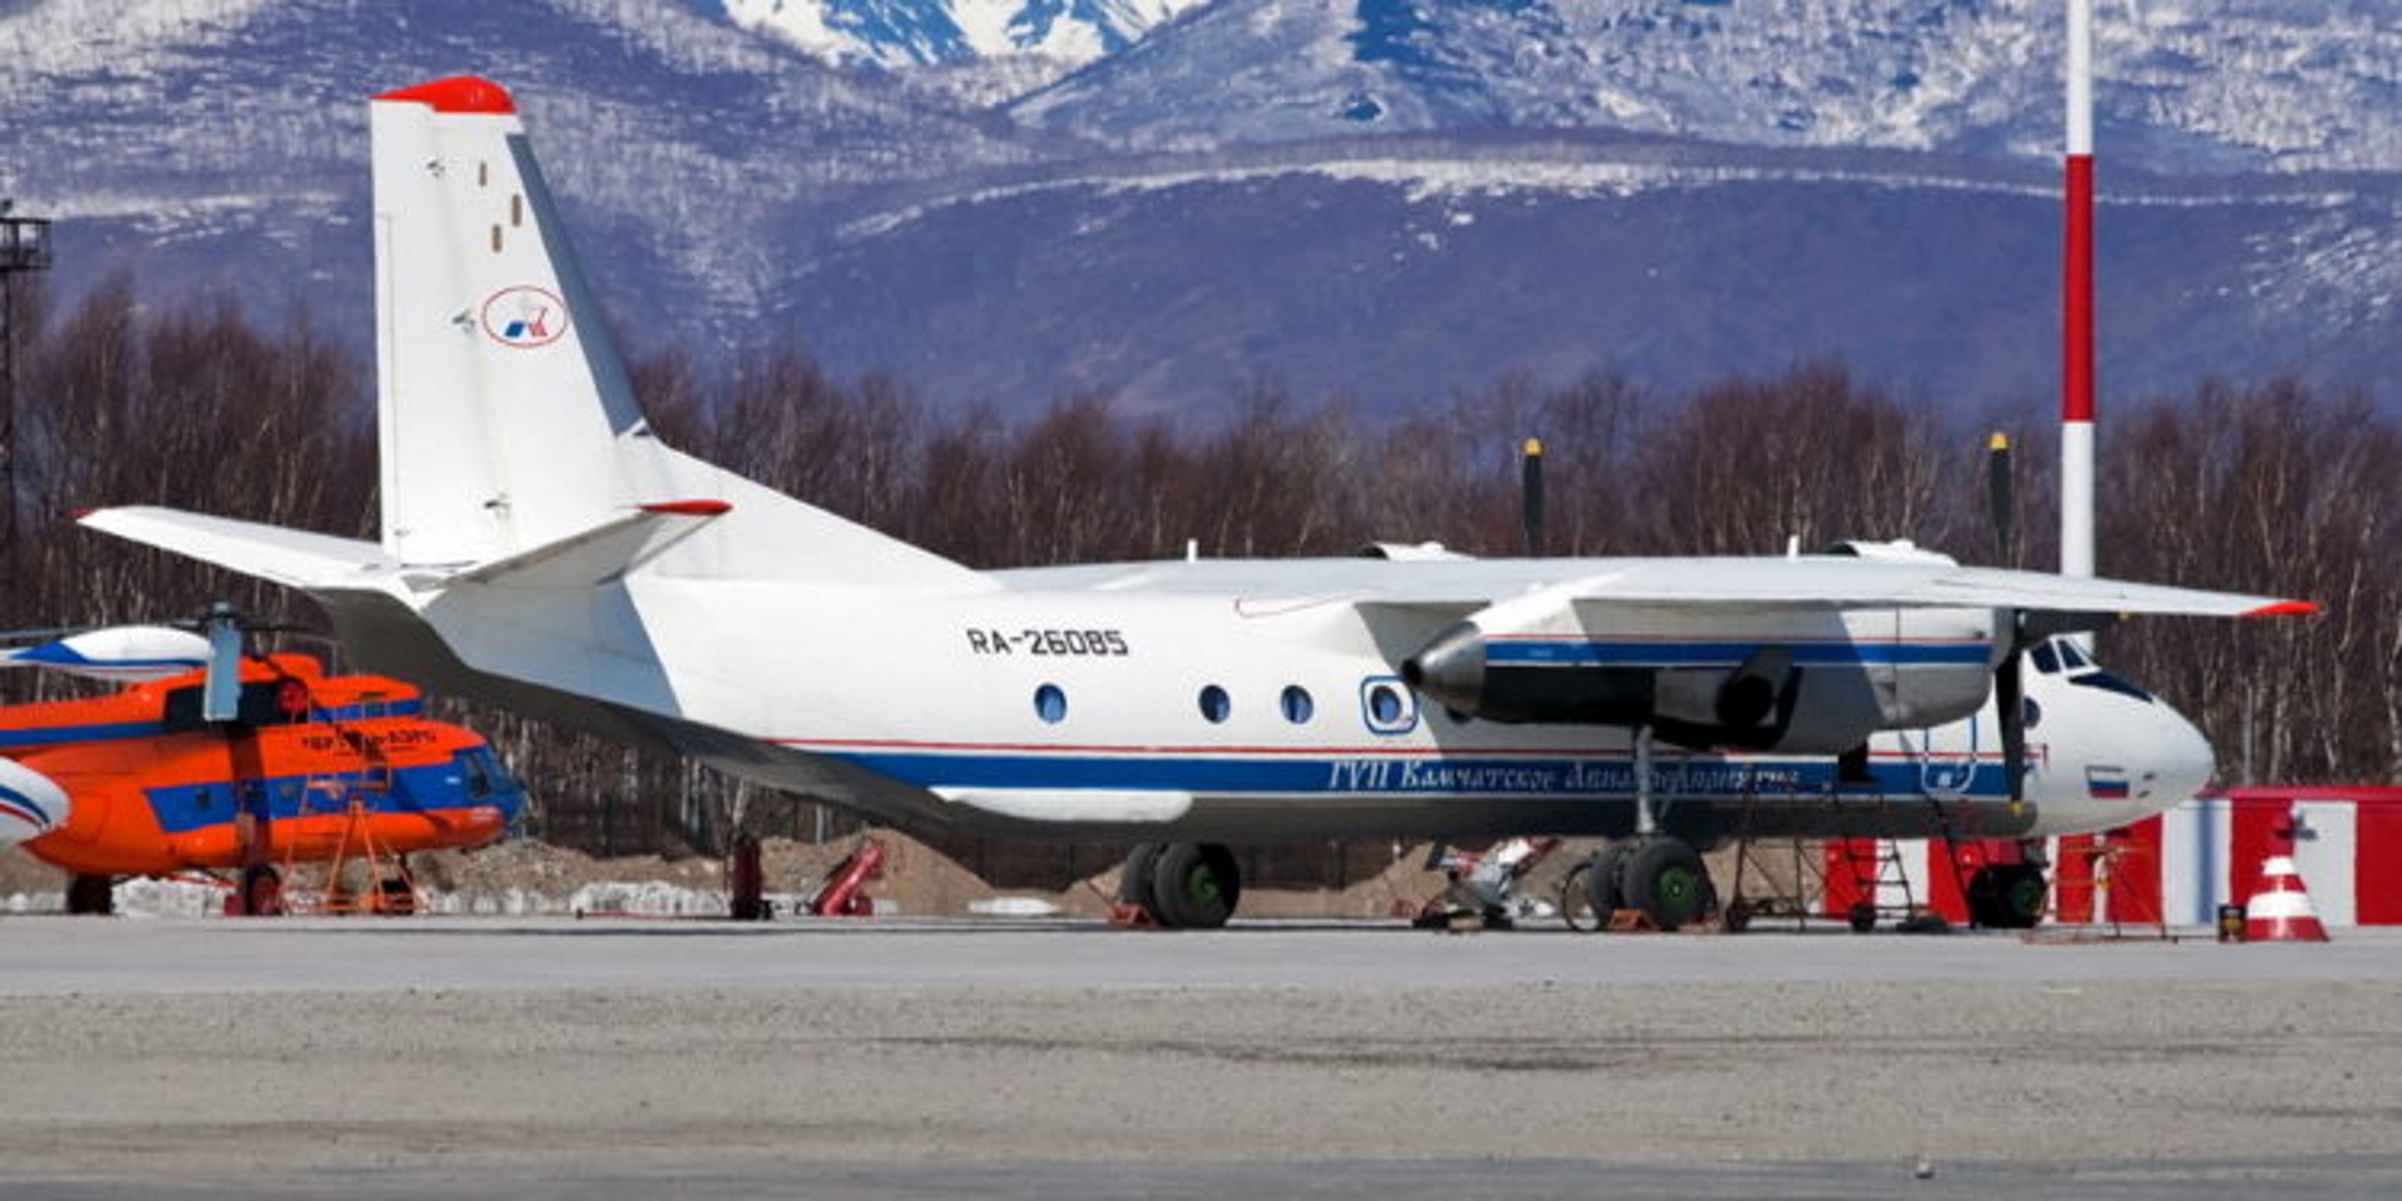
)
(1946, 756)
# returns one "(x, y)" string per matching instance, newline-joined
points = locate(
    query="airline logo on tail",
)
(525, 317)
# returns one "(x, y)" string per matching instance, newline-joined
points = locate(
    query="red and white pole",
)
(2076, 392)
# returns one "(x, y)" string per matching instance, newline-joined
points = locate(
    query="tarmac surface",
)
(886, 1058)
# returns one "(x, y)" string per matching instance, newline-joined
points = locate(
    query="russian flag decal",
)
(2107, 784)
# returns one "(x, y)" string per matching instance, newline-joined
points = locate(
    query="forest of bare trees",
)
(2269, 487)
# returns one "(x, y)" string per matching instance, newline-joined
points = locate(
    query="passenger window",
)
(1387, 705)
(1297, 705)
(1050, 704)
(1215, 704)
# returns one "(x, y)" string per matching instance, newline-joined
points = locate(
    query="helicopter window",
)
(2107, 682)
(477, 766)
(485, 773)
(263, 703)
(2045, 660)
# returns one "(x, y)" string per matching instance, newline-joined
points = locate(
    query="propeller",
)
(2009, 678)
(135, 653)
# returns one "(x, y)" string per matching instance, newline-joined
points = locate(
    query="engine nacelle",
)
(31, 804)
(1779, 678)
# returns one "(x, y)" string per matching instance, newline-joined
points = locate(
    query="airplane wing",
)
(1854, 583)
(1824, 582)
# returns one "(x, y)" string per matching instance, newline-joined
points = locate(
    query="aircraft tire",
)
(1195, 885)
(1666, 879)
(1134, 882)
(1576, 900)
(262, 892)
(1605, 880)
(88, 893)
(2007, 896)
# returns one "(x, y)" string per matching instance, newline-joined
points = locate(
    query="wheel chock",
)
(1630, 921)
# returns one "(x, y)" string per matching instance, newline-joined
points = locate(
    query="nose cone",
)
(2177, 763)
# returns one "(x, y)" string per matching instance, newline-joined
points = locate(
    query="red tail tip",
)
(688, 508)
(458, 94)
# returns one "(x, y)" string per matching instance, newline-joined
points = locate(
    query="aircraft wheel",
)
(1134, 881)
(1862, 916)
(2007, 896)
(1576, 900)
(262, 892)
(1195, 885)
(1738, 916)
(1605, 881)
(394, 896)
(91, 894)
(1665, 878)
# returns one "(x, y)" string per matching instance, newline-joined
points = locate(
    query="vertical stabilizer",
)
(506, 415)
(510, 434)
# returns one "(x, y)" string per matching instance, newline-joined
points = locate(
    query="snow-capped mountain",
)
(2183, 86)
(1390, 200)
(897, 34)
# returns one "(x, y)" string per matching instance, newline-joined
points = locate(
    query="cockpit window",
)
(2045, 661)
(2097, 678)
(2070, 655)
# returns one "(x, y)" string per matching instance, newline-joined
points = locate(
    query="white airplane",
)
(541, 548)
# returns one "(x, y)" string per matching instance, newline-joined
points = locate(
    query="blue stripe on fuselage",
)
(428, 788)
(118, 731)
(1320, 774)
(1579, 652)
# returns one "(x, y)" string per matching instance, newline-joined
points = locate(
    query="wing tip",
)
(688, 508)
(2286, 608)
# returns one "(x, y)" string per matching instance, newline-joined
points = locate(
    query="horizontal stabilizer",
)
(293, 558)
(603, 553)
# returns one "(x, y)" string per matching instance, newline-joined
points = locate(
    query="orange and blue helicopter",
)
(237, 767)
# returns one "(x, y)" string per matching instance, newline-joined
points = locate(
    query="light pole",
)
(24, 246)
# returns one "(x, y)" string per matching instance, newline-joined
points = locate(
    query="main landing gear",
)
(1181, 885)
(88, 893)
(2006, 896)
(1657, 875)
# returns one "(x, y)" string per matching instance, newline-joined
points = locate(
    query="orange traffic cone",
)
(2279, 910)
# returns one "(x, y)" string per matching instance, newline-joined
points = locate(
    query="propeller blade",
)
(221, 696)
(1530, 485)
(120, 653)
(2010, 704)
(2001, 498)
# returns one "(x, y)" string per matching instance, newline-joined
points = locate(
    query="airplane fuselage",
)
(1154, 701)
